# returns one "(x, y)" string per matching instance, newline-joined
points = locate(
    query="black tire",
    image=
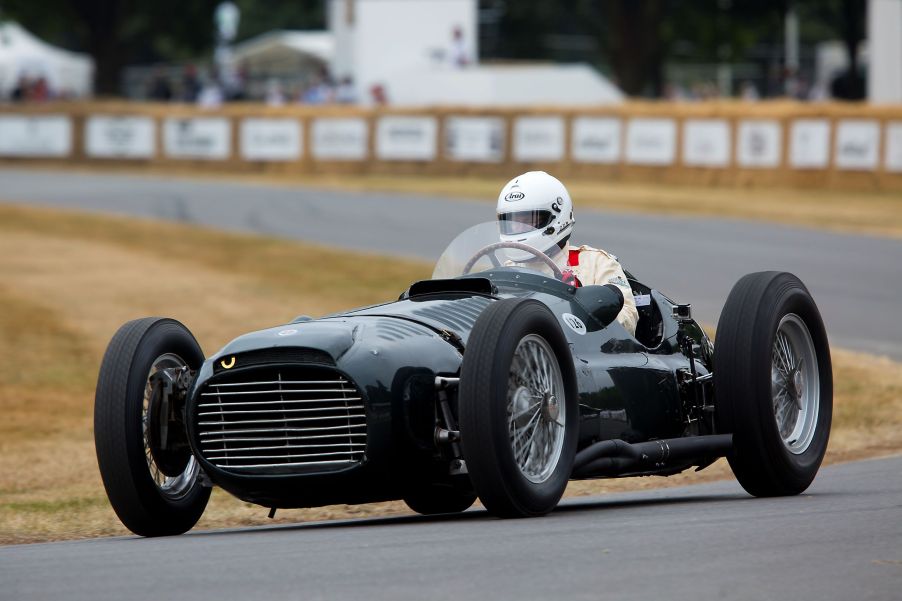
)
(483, 404)
(142, 506)
(765, 463)
(434, 499)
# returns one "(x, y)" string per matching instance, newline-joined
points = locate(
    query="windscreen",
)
(479, 249)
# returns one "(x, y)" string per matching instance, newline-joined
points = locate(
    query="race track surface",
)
(840, 541)
(856, 280)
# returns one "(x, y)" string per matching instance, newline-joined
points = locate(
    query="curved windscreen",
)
(480, 248)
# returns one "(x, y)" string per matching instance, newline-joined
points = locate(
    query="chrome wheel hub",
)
(795, 385)
(174, 487)
(535, 419)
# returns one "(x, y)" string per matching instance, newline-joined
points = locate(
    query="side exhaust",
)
(616, 457)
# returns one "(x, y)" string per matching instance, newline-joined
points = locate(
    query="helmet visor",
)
(521, 222)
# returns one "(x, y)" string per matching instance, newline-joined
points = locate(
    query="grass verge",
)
(68, 280)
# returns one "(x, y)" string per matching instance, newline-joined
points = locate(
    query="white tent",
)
(285, 52)
(21, 53)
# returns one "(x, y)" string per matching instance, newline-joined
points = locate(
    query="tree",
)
(117, 33)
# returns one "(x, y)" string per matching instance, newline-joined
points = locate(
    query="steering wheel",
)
(491, 249)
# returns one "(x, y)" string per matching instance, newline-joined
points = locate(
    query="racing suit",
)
(595, 266)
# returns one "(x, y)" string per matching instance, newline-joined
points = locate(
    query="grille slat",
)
(279, 383)
(276, 419)
(251, 430)
(288, 446)
(287, 391)
(264, 411)
(287, 420)
(280, 401)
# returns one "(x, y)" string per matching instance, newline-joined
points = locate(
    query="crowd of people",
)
(33, 89)
(211, 89)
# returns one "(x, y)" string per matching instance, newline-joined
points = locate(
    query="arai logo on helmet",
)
(514, 196)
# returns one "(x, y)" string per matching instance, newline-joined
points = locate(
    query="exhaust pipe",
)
(615, 457)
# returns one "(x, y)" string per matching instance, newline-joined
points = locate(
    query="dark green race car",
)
(493, 380)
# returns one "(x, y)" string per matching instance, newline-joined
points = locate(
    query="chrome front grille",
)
(286, 419)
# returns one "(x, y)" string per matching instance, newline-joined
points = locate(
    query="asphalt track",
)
(856, 280)
(840, 541)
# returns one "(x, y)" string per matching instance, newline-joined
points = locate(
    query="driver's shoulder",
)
(592, 251)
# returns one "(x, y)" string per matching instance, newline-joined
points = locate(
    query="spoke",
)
(525, 411)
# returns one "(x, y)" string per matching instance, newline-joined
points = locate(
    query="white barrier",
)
(35, 136)
(792, 144)
(474, 139)
(120, 137)
(539, 139)
(651, 141)
(596, 140)
(208, 138)
(706, 143)
(759, 144)
(402, 138)
(340, 139)
(271, 139)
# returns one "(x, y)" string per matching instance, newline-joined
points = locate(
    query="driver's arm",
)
(600, 267)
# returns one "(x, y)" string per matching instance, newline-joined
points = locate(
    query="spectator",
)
(749, 92)
(378, 94)
(321, 92)
(190, 84)
(345, 94)
(274, 94)
(160, 88)
(459, 56)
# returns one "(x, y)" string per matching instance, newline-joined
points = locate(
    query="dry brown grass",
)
(69, 280)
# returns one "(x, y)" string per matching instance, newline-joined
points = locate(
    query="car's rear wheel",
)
(773, 383)
(434, 499)
(518, 411)
(155, 489)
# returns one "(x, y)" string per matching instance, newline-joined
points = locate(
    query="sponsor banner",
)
(760, 143)
(539, 139)
(125, 137)
(271, 139)
(857, 144)
(341, 139)
(401, 138)
(198, 138)
(476, 139)
(893, 158)
(651, 141)
(35, 136)
(706, 143)
(809, 144)
(596, 139)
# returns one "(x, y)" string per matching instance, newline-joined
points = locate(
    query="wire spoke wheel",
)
(173, 487)
(535, 421)
(518, 408)
(773, 383)
(155, 491)
(795, 384)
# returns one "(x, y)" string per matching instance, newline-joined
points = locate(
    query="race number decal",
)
(574, 323)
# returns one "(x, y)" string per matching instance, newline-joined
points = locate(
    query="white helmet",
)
(535, 209)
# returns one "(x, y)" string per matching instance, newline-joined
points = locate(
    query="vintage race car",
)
(494, 379)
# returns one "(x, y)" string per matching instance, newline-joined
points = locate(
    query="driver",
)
(535, 209)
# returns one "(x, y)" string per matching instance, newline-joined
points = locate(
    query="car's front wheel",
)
(153, 487)
(773, 383)
(518, 411)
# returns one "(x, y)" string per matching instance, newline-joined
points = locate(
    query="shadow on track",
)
(571, 506)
